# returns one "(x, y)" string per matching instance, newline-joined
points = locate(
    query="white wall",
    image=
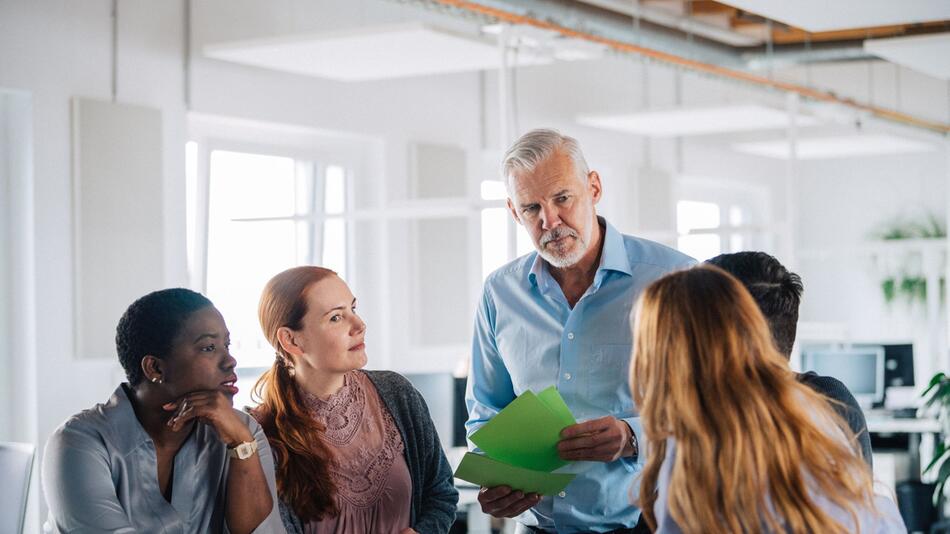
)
(54, 50)
(150, 72)
(842, 205)
(18, 384)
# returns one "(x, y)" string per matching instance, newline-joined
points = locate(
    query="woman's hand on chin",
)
(211, 407)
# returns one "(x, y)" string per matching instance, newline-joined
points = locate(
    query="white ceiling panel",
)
(829, 15)
(928, 54)
(695, 120)
(846, 146)
(370, 53)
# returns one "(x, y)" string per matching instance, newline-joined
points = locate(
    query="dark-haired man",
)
(778, 292)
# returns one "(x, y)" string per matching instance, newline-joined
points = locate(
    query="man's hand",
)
(501, 501)
(408, 531)
(213, 408)
(598, 440)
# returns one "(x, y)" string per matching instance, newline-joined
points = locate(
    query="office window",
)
(715, 217)
(494, 239)
(498, 228)
(267, 213)
(692, 216)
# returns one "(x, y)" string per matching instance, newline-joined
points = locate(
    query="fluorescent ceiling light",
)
(836, 147)
(695, 121)
(824, 15)
(547, 43)
(929, 54)
(371, 53)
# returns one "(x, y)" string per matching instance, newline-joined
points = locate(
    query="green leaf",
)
(941, 396)
(889, 289)
(937, 378)
(942, 475)
(940, 454)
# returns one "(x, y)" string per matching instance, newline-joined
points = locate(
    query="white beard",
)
(568, 258)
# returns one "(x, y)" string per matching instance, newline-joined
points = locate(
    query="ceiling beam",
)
(510, 17)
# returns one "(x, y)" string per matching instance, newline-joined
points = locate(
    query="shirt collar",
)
(613, 257)
(126, 429)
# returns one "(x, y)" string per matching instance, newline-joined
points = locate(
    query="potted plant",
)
(909, 284)
(937, 395)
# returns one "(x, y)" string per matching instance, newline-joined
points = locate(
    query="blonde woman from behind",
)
(734, 442)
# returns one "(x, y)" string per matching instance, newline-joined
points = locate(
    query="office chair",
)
(16, 467)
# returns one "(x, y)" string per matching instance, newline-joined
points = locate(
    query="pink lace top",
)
(374, 489)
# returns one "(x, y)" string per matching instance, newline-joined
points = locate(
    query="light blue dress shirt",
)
(100, 474)
(528, 337)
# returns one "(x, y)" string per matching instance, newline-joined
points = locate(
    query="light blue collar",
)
(613, 257)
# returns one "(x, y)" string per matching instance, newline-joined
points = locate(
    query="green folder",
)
(553, 400)
(525, 433)
(483, 471)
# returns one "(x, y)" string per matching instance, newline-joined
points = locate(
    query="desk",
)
(891, 425)
(476, 521)
(913, 427)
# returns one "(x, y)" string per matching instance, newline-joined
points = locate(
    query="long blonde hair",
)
(752, 444)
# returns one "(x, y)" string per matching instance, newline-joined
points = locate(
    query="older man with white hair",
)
(559, 316)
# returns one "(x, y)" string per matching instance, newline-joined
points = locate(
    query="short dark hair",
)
(150, 325)
(776, 290)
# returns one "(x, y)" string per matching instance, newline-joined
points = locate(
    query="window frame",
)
(755, 200)
(320, 159)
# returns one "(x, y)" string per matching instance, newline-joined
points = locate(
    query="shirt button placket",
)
(569, 376)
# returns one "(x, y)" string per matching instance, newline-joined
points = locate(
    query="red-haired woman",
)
(355, 451)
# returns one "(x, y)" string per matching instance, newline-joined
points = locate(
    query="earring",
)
(156, 380)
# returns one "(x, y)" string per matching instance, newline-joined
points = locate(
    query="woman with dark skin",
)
(168, 452)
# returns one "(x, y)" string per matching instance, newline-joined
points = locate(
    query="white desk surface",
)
(891, 425)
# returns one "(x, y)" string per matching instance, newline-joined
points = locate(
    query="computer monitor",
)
(861, 369)
(445, 396)
(898, 363)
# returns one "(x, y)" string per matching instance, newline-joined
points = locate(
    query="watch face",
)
(244, 451)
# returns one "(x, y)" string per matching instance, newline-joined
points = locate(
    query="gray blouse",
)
(884, 518)
(100, 474)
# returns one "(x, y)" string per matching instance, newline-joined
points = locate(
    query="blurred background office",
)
(213, 143)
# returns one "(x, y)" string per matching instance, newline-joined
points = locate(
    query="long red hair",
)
(297, 439)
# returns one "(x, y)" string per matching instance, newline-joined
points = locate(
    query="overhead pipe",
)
(788, 57)
(671, 20)
(504, 15)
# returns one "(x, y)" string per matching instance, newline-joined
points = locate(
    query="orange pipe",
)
(814, 94)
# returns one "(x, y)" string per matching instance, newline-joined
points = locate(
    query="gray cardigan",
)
(434, 496)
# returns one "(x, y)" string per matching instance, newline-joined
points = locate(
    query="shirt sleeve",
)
(77, 482)
(489, 387)
(635, 463)
(272, 524)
